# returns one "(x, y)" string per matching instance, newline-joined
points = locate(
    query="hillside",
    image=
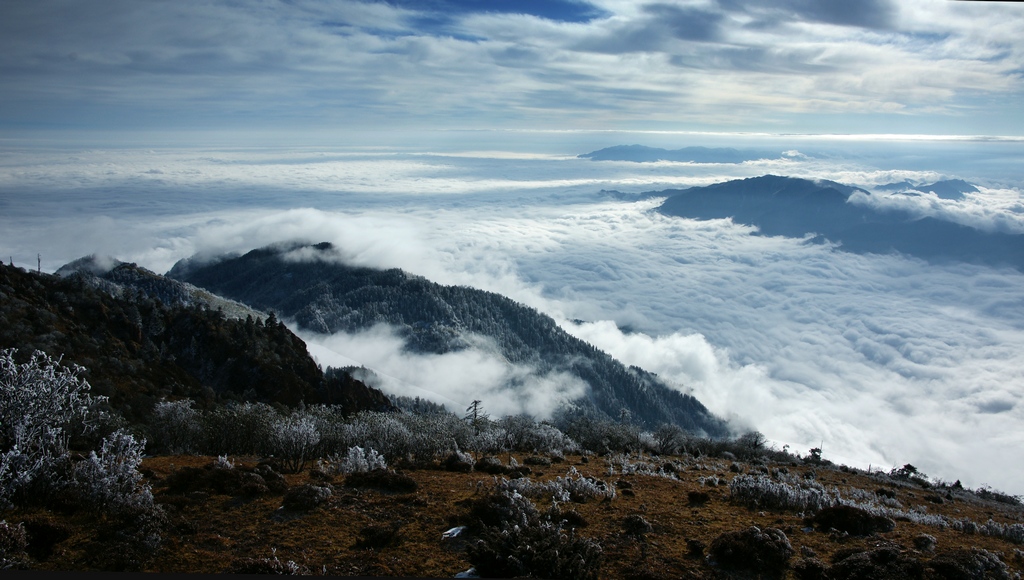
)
(787, 206)
(137, 349)
(312, 286)
(685, 519)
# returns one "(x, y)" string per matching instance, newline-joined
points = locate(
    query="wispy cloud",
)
(727, 63)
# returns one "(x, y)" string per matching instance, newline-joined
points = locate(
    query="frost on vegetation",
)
(294, 438)
(515, 540)
(622, 463)
(176, 426)
(573, 487)
(357, 460)
(42, 404)
(110, 480)
(763, 493)
(1010, 532)
(223, 462)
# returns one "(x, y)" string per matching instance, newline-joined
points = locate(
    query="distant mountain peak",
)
(644, 154)
(795, 207)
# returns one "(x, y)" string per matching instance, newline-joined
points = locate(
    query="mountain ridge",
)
(645, 154)
(326, 296)
(795, 207)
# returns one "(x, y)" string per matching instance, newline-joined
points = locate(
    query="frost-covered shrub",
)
(515, 540)
(458, 461)
(573, 487)
(42, 404)
(1010, 532)
(489, 441)
(306, 497)
(603, 435)
(110, 481)
(176, 427)
(358, 460)
(240, 428)
(528, 436)
(381, 431)
(763, 493)
(293, 440)
(624, 465)
(759, 551)
(436, 435)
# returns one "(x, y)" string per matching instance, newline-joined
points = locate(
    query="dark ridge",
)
(325, 296)
(137, 349)
(787, 206)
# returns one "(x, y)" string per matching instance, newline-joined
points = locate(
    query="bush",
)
(878, 563)
(293, 440)
(239, 429)
(13, 542)
(760, 492)
(458, 461)
(852, 520)
(176, 427)
(110, 481)
(762, 552)
(42, 404)
(514, 541)
(358, 460)
(382, 480)
(972, 564)
(306, 497)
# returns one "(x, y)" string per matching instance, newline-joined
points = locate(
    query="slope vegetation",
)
(137, 349)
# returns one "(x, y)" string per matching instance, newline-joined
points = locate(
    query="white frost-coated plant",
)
(761, 492)
(573, 487)
(626, 466)
(223, 462)
(176, 426)
(294, 438)
(359, 460)
(110, 480)
(41, 404)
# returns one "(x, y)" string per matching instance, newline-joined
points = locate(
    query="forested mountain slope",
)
(311, 285)
(136, 349)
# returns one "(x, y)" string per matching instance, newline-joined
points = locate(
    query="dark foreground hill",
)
(787, 206)
(137, 349)
(312, 286)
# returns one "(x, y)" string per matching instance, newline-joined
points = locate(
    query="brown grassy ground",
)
(212, 533)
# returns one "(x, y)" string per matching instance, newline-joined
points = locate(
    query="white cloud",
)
(712, 64)
(991, 210)
(454, 379)
(884, 359)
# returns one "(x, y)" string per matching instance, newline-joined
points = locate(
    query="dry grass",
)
(213, 533)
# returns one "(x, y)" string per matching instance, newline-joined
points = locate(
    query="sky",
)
(442, 137)
(298, 70)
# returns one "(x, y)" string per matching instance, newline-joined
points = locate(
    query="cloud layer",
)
(795, 66)
(886, 360)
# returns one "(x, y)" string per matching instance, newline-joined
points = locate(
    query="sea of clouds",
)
(883, 360)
